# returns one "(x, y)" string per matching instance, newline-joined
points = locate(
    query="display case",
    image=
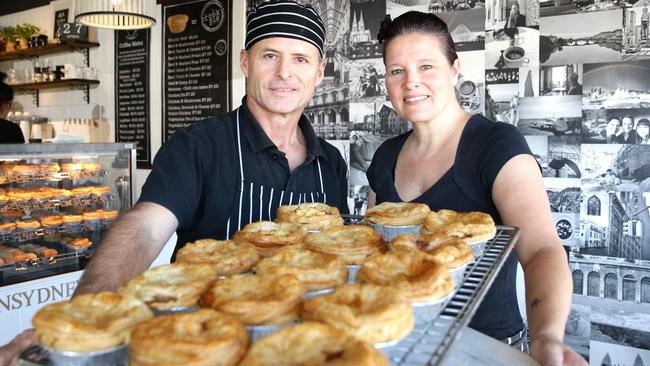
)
(56, 203)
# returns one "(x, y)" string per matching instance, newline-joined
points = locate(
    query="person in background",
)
(612, 130)
(10, 132)
(628, 134)
(211, 179)
(515, 18)
(453, 160)
(573, 86)
(643, 131)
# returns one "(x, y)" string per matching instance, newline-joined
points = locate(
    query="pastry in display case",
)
(57, 202)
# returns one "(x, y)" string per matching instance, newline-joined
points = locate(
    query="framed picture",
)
(62, 12)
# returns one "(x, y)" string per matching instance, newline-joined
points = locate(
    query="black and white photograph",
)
(625, 126)
(501, 93)
(567, 225)
(622, 326)
(581, 38)
(512, 48)
(367, 79)
(616, 85)
(539, 147)
(467, 28)
(594, 126)
(504, 14)
(602, 353)
(358, 199)
(470, 89)
(398, 7)
(550, 116)
(616, 167)
(365, 17)
(563, 157)
(563, 195)
(329, 111)
(561, 80)
(529, 81)
(566, 7)
(636, 45)
(578, 328)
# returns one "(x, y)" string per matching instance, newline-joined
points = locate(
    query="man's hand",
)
(550, 351)
(9, 353)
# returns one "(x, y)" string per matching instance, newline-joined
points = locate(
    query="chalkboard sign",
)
(72, 31)
(132, 50)
(60, 17)
(196, 62)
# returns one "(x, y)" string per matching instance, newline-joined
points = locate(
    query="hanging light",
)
(114, 14)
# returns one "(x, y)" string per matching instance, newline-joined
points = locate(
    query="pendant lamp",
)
(114, 14)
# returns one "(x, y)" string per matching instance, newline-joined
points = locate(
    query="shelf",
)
(74, 84)
(45, 204)
(49, 49)
(51, 177)
(20, 236)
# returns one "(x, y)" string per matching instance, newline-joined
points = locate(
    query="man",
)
(211, 179)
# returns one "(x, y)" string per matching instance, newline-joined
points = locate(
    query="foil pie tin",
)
(176, 310)
(256, 332)
(311, 294)
(391, 232)
(424, 312)
(457, 274)
(115, 356)
(352, 272)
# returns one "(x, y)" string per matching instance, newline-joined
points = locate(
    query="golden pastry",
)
(226, 256)
(28, 225)
(270, 237)
(91, 166)
(19, 195)
(315, 270)
(453, 252)
(52, 220)
(312, 343)
(72, 219)
(368, 312)
(471, 226)
(203, 338)
(7, 227)
(257, 300)
(91, 322)
(71, 167)
(170, 286)
(91, 216)
(421, 278)
(353, 243)
(81, 191)
(313, 216)
(397, 213)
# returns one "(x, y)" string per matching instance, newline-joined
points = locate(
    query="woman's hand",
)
(550, 351)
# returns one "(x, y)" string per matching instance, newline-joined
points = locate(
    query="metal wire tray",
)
(429, 343)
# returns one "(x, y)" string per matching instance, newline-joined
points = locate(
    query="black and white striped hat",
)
(285, 18)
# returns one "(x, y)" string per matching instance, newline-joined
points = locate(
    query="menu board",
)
(132, 91)
(196, 62)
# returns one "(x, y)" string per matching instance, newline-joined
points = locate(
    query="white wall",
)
(61, 104)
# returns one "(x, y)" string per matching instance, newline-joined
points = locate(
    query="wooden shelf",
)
(73, 83)
(48, 49)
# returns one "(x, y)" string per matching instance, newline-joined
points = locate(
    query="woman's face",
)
(419, 80)
(642, 130)
(612, 126)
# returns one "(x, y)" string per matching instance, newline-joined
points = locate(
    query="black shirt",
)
(10, 133)
(484, 148)
(196, 175)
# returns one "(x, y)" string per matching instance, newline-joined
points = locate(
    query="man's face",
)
(282, 74)
(627, 125)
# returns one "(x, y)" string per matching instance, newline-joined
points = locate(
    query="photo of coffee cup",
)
(177, 23)
(515, 56)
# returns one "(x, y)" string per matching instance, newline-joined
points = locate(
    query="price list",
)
(132, 91)
(196, 63)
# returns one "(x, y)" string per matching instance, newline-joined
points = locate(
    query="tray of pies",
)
(25, 172)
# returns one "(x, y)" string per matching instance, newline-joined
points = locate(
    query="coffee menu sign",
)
(196, 62)
(132, 91)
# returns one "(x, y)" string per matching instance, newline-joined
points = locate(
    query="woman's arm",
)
(521, 199)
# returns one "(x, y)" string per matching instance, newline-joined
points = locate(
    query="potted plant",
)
(9, 35)
(24, 32)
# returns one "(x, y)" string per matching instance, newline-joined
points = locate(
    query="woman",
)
(9, 131)
(643, 131)
(612, 130)
(467, 163)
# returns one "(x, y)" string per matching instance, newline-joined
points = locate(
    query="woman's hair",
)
(417, 22)
(6, 92)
